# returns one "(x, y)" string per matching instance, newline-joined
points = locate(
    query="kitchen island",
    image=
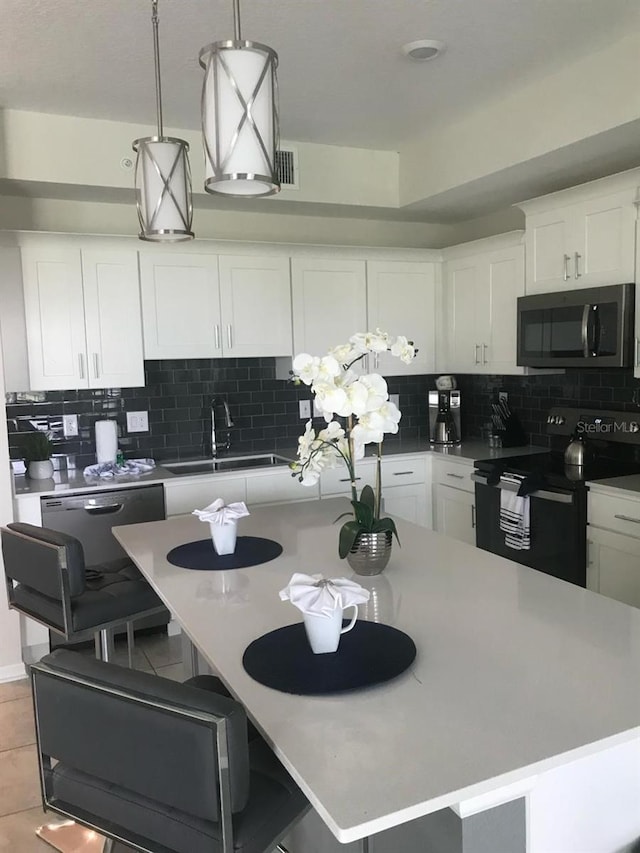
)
(523, 686)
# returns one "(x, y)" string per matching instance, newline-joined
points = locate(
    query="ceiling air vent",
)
(287, 167)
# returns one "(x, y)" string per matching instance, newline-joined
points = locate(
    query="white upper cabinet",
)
(480, 300)
(82, 312)
(255, 297)
(210, 306)
(401, 301)
(582, 237)
(329, 300)
(180, 305)
(113, 319)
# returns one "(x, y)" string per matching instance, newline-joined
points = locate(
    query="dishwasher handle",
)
(105, 509)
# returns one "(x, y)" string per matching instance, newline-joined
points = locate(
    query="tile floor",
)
(20, 808)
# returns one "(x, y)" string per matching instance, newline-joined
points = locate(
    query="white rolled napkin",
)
(315, 594)
(219, 513)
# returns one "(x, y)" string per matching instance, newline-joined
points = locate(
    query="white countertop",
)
(74, 481)
(615, 485)
(517, 672)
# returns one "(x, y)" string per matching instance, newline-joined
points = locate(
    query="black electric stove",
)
(550, 468)
(557, 492)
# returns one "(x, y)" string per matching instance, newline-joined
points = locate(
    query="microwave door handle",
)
(585, 330)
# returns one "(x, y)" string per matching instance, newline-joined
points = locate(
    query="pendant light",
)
(163, 176)
(240, 115)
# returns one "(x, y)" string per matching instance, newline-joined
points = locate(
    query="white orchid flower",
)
(305, 442)
(332, 400)
(344, 354)
(328, 369)
(367, 394)
(363, 433)
(370, 341)
(306, 367)
(332, 432)
(403, 349)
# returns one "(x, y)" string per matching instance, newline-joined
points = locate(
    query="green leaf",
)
(348, 534)
(367, 497)
(364, 514)
(383, 524)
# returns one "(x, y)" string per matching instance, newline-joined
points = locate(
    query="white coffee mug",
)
(323, 632)
(224, 537)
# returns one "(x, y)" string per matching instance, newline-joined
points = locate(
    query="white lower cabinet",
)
(454, 499)
(613, 546)
(455, 513)
(408, 503)
(613, 565)
(278, 486)
(183, 497)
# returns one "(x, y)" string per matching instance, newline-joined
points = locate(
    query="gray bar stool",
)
(47, 580)
(156, 765)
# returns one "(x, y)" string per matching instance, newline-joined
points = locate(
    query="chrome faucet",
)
(228, 422)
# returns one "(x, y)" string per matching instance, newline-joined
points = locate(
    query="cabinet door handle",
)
(96, 366)
(473, 516)
(477, 353)
(81, 365)
(637, 342)
(577, 272)
(216, 333)
(229, 338)
(627, 518)
(484, 353)
(401, 473)
(566, 267)
(456, 476)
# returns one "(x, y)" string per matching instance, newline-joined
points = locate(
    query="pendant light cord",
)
(236, 20)
(156, 57)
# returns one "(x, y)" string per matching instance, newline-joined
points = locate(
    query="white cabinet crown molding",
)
(207, 246)
(486, 244)
(582, 192)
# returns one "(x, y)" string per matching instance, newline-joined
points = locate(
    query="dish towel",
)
(514, 515)
(108, 470)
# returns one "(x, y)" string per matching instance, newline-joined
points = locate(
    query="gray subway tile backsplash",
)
(178, 392)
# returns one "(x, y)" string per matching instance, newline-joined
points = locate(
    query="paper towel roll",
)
(106, 441)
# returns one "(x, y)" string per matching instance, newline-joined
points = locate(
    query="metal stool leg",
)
(104, 644)
(130, 643)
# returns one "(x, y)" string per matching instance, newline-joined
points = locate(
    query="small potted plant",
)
(36, 452)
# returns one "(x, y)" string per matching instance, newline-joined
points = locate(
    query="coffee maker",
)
(444, 418)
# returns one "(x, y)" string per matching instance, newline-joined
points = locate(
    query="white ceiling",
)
(343, 80)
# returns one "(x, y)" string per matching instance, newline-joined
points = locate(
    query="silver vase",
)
(370, 553)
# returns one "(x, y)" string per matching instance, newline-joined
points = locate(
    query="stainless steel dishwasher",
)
(89, 516)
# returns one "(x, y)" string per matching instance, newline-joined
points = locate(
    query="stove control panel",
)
(603, 425)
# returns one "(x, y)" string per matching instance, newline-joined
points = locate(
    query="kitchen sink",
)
(225, 463)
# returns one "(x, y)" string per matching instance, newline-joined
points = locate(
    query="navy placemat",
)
(368, 654)
(201, 555)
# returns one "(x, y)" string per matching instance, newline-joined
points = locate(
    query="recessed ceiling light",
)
(423, 49)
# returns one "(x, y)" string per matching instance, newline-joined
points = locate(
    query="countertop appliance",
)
(89, 516)
(557, 490)
(589, 327)
(444, 418)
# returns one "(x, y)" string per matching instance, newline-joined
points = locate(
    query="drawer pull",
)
(348, 479)
(627, 518)
(401, 473)
(456, 476)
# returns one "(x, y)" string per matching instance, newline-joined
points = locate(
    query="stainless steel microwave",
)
(591, 327)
